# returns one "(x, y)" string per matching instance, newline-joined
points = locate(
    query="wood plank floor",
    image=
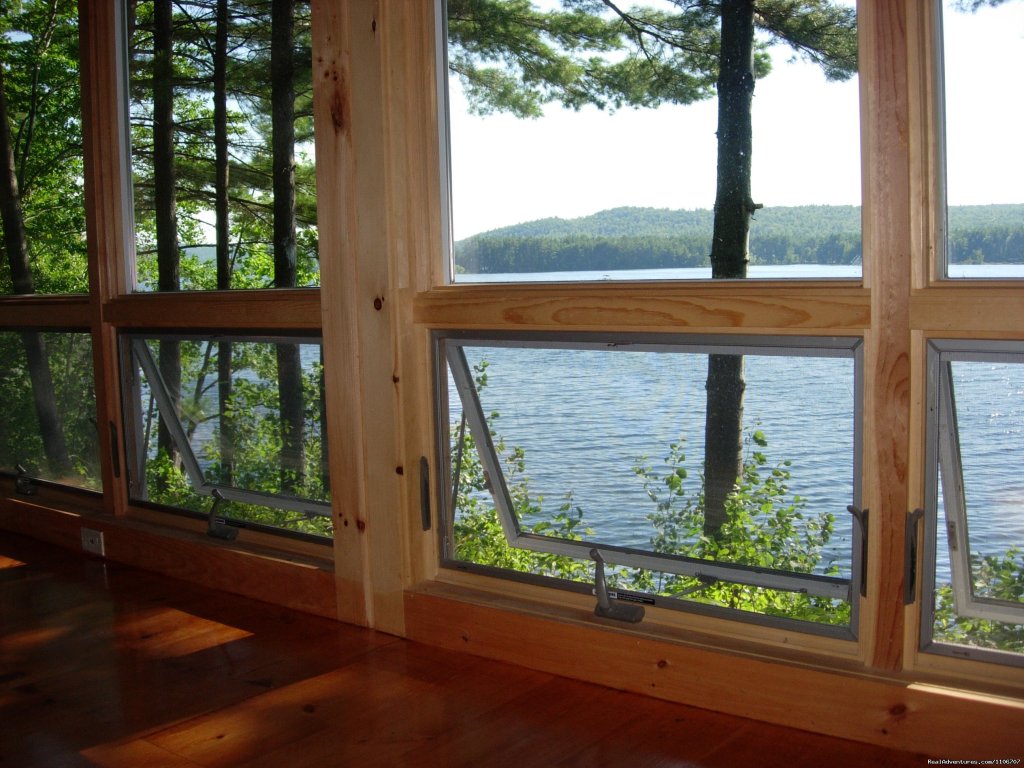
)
(106, 665)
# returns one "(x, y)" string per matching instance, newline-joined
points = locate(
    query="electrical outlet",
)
(92, 541)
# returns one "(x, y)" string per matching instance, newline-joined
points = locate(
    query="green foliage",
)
(39, 54)
(649, 238)
(511, 56)
(249, 136)
(20, 439)
(252, 413)
(999, 577)
(766, 527)
(478, 536)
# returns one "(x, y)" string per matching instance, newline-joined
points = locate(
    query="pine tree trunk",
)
(723, 458)
(225, 351)
(289, 363)
(165, 199)
(51, 427)
(220, 145)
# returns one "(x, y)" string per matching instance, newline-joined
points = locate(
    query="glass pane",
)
(222, 145)
(611, 448)
(989, 399)
(984, 158)
(48, 420)
(42, 248)
(584, 144)
(247, 415)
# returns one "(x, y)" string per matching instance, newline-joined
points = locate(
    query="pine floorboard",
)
(106, 665)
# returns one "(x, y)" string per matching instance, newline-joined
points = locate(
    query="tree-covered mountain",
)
(652, 238)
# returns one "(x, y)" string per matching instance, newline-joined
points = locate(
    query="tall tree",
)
(513, 57)
(723, 425)
(289, 362)
(165, 196)
(51, 427)
(222, 224)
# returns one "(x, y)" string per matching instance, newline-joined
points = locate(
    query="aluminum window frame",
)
(944, 466)
(449, 355)
(136, 354)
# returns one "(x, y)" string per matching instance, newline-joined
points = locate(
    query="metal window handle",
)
(606, 608)
(216, 527)
(862, 517)
(910, 556)
(24, 485)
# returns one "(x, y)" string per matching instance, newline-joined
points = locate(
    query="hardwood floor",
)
(106, 665)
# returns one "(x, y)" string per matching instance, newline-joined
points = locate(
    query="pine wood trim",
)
(773, 308)
(332, 113)
(659, 623)
(888, 266)
(875, 709)
(108, 223)
(414, 181)
(56, 312)
(969, 310)
(926, 129)
(357, 239)
(292, 580)
(271, 308)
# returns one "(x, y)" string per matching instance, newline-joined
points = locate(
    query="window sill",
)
(843, 307)
(833, 696)
(297, 580)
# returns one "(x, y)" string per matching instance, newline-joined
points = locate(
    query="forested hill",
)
(652, 238)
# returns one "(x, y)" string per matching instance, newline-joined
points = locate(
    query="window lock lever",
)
(606, 607)
(24, 485)
(216, 527)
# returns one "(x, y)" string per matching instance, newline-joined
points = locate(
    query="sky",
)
(507, 170)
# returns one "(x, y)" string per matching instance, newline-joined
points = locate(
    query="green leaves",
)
(39, 53)
(512, 57)
(997, 577)
(767, 526)
(816, 30)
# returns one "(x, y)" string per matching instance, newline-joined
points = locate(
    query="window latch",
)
(24, 485)
(910, 556)
(216, 527)
(861, 516)
(606, 608)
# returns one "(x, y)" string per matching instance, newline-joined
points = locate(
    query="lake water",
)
(770, 272)
(586, 418)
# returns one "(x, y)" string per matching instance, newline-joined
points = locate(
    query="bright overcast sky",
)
(806, 142)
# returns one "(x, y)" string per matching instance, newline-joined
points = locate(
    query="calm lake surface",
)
(586, 419)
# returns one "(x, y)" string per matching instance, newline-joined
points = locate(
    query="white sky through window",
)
(568, 164)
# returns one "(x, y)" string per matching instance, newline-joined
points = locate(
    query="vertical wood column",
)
(888, 266)
(411, 121)
(358, 305)
(108, 221)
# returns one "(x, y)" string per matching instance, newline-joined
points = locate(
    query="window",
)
(222, 395)
(976, 546)
(583, 143)
(48, 421)
(241, 424)
(43, 243)
(48, 429)
(222, 145)
(984, 159)
(560, 446)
